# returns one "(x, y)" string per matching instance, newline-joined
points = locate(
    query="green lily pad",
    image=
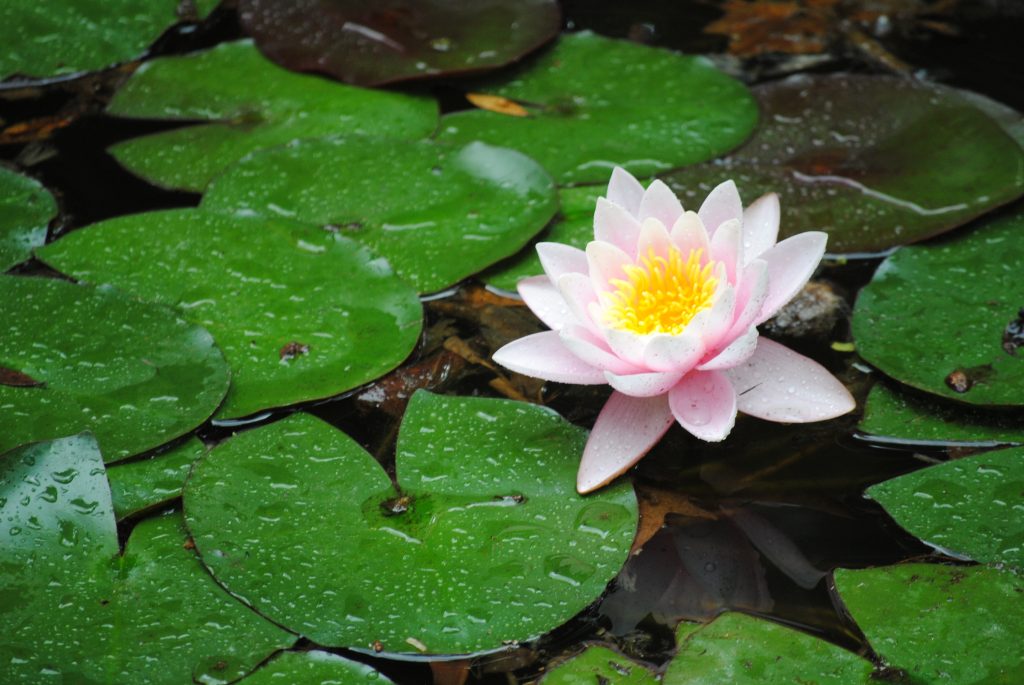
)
(740, 649)
(934, 316)
(973, 505)
(63, 37)
(289, 668)
(300, 313)
(595, 103)
(251, 104)
(933, 162)
(147, 483)
(486, 541)
(597, 664)
(26, 208)
(941, 624)
(890, 415)
(574, 226)
(75, 610)
(437, 212)
(133, 373)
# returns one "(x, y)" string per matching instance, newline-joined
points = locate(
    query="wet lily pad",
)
(932, 163)
(486, 540)
(251, 104)
(890, 415)
(936, 316)
(140, 485)
(133, 373)
(26, 208)
(596, 103)
(972, 506)
(437, 212)
(75, 610)
(300, 313)
(63, 37)
(314, 666)
(959, 625)
(740, 649)
(397, 40)
(597, 664)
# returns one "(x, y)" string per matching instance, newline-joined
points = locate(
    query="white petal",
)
(750, 296)
(559, 258)
(721, 204)
(625, 430)
(726, 247)
(777, 384)
(606, 262)
(545, 300)
(543, 355)
(626, 344)
(688, 234)
(714, 322)
(673, 352)
(661, 203)
(614, 224)
(653, 237)
(760, 226)
(644, 384)
(704, 403)
(737, 352)
(578, 293)
(791, 264)
(625, 191)
(592, 349)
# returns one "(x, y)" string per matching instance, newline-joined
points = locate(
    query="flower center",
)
(660, 295)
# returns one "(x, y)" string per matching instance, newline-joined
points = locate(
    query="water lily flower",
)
(663, 306)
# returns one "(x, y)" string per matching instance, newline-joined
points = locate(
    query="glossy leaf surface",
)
(597, 664)
(437, 212)
(26, 208)
(932, 163)
(973, 506)
(76, 610)
(397, 40)
(596, 103)
(135, 374)
(294, 668)
(140, 485)
(936, 316)
(300, 313)
(251, 104)
(950, 624)
(486, 541)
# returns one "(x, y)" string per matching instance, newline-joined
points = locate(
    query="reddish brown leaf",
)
(17, 379)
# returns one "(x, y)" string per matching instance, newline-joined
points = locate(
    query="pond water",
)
(755, 524)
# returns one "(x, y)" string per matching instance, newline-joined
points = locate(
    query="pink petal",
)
(606, 262)
(614, 224)
(791, 264)
(559, 258)
(750, 296)
(777, 384)
(688, 234)
(593, 350)
(721, 204)
(626, 344)
(727, 247)
(653, 237)
(544, 355)
(735, 353)
(626, 429)
(578, 293)
(704, 403)
(625, 191)
(714, 322)
(644, 384)
(544, 300)
(660, 203)
(673, 352)
(760, 226)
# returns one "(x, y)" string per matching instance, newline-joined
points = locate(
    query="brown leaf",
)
(17, 379)
(497, 104)
(655, 503)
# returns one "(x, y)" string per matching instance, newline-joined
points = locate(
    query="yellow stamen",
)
(660, 295)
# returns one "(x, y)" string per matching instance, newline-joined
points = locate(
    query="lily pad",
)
(300, 313)
(936, 317)
(251, 104)
(962, 625)
(933, 162)
(397, 40)
(64, 37)
(133, 373)
(75, 610)
(740, 649)
(437, 212)
(314, 667)
(597, 664)
(485, 541)
(26, 208)
(595, 103)
(140, 485)
(893, 416)
(973, 506)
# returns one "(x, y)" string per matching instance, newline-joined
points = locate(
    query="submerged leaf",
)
(141, 485)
